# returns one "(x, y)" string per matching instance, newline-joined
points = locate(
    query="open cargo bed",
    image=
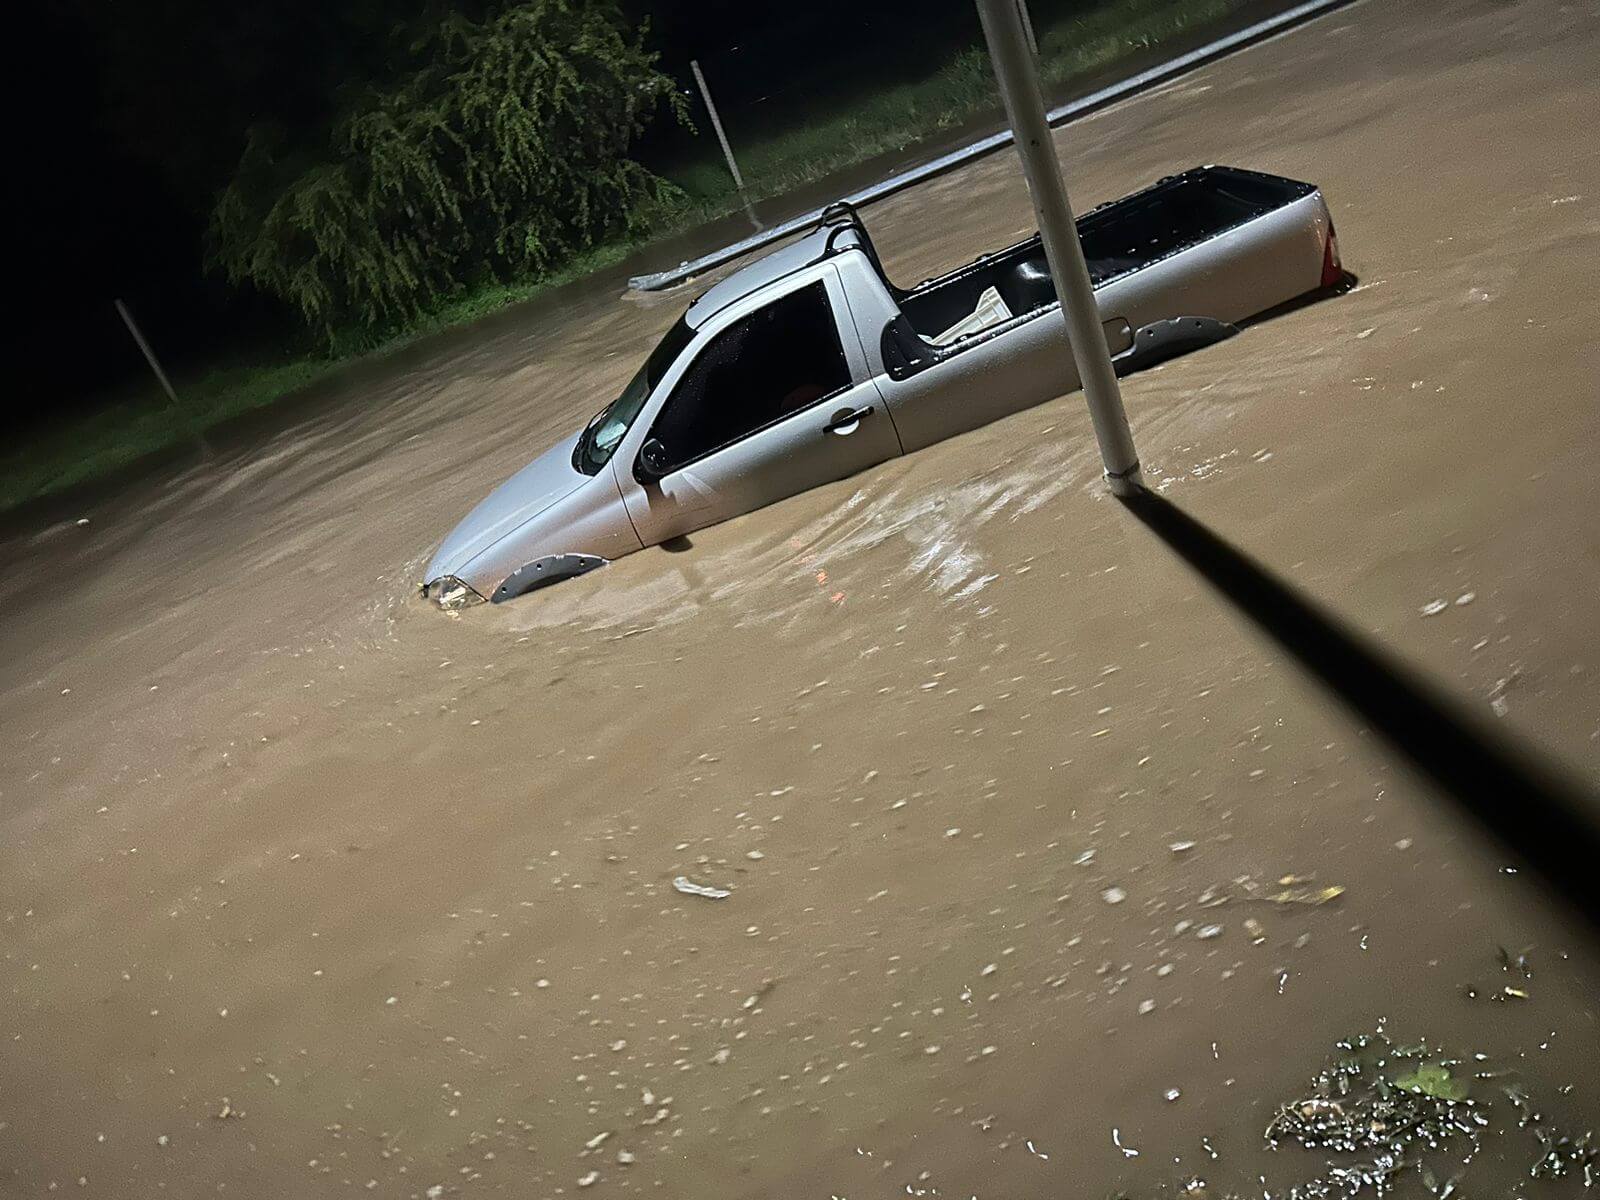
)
(1121, 237)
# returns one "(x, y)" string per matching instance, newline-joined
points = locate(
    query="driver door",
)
(771, 405)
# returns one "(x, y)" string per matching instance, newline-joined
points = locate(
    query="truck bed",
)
(1175, 267)
(1126, 235)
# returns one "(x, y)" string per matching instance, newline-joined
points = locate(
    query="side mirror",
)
(652, 464)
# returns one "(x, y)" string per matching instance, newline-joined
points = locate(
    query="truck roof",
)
(822, 242)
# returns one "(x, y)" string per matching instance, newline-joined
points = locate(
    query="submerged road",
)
(307, 889)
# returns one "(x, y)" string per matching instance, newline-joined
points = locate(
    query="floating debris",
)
(1181, 847)
(1302, 889)
(1256, 930)
(1384, 1105)
(1497, 694)
(689, 888)
(1390, 1109)
(1560, 1153)
(1517, 966)
(1114, 895)
(1207, 932)
(1433, 1079)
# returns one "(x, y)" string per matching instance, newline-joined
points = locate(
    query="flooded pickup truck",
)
(810, 365)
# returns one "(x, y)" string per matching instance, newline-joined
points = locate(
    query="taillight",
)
(1332, 268)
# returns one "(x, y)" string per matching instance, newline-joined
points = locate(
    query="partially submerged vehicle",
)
(809, 365)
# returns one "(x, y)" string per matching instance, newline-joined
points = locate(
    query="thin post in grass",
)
(722, 137)
(155, 368)
(1016, 71)
(149, 354)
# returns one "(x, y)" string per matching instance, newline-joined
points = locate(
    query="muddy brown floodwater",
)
(394, 890)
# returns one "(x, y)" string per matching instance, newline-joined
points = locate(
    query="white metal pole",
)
(1014, 70)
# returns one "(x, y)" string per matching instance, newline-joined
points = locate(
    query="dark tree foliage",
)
(125, 167)
(499, 149)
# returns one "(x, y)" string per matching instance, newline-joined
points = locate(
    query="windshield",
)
(605, 430)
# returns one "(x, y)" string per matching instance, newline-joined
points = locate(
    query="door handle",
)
(848, 417)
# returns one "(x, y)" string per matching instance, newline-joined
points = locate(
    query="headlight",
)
(449, 593)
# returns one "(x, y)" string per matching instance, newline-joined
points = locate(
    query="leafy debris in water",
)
(1383, 1106)
(1433, 1079)
(1381, 1110)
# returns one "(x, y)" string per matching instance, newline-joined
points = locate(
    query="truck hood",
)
(541, 483)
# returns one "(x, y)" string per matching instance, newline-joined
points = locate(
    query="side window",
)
(778, 360)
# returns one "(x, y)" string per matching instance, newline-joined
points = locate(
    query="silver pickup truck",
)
(810, 365)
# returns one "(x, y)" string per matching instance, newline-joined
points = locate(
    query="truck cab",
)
(776, 394)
